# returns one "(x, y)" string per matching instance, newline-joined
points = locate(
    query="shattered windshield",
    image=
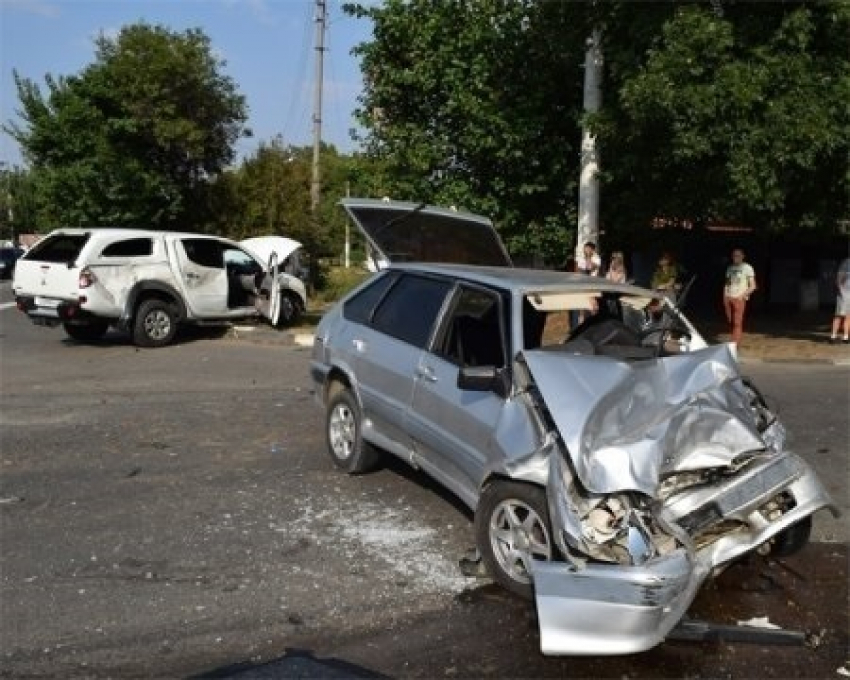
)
(596, 322)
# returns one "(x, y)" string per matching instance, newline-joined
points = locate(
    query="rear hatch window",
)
(58, 248)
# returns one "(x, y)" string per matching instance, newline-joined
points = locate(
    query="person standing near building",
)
(740, 284)
(589, 263)
(616, 268)
(842, 303)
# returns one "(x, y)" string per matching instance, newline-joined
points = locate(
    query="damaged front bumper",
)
(612, 609)
(599, 608)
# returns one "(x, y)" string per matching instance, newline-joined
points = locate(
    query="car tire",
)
(290, 310)
(155, 324)
(91, 331)
(344, 436)
(510, 518)
(791, 540)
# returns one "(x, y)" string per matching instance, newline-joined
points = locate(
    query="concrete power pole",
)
(588, 192)
(316, 184)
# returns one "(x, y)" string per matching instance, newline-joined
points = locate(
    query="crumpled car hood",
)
(626, 424)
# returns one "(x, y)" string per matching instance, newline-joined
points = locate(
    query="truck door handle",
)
(426, 373)
(192, 275)
(359, 345)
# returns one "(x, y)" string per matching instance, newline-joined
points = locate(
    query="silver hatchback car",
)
(613, 460)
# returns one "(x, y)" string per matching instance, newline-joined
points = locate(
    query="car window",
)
(239, 262)
(473, 335)
(410, 308)
(131, 247)
(205, 252)
(58, 248)
(359, 307)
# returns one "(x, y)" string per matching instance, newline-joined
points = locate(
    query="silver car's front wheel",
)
(342, 431)
(345, 443)
(512, 530)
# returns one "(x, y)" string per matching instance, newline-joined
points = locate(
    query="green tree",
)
(274, 192)
(710, 110)
(735, 112)
(475, 104)
(17, 203)
(273, 189)
(136, 137)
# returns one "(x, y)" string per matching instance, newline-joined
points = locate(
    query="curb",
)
(798, 362)
(304, 339)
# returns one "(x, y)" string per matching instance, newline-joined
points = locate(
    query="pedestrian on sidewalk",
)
(589, 263)
(740, 284)
(842, 303)
(616, 268)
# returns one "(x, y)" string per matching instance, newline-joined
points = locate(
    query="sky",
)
(268, 47)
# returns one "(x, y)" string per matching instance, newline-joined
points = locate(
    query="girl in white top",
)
(616, 268)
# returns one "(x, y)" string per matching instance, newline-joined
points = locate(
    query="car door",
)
(203, 275)
(453, 428)
(387, 352)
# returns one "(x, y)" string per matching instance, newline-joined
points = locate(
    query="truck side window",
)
(131, 247)
(204, 252)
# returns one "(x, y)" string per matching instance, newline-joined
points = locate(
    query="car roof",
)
(130, 232)
(522, 281)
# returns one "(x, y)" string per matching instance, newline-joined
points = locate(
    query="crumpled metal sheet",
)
(624, 424)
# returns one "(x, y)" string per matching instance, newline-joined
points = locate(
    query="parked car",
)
(612, 467)
(149, 283)
(8, 258)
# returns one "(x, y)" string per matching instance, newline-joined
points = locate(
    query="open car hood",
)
(410, 232)
(624, 424)
(263, 246)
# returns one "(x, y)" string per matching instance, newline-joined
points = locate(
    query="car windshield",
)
(625, 326)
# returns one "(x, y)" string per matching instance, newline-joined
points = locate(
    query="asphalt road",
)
(171, 513)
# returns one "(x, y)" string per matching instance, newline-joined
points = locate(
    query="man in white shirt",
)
(842, 303)
(589, 263)
(740, 284)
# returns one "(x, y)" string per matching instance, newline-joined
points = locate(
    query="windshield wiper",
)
(400, 218)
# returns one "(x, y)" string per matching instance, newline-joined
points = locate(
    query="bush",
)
(339, 280)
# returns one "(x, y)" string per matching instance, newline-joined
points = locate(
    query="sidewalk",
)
(796, 337)
(789, 337)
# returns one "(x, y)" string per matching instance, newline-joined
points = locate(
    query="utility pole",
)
(347, 253)
(588, 191)
(316, 184)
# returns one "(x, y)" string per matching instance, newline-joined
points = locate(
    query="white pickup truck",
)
(150, 282)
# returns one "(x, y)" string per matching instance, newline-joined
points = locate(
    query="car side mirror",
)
(483, 379)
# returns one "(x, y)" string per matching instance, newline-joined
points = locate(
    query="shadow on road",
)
(295, 663)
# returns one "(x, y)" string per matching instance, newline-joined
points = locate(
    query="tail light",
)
(87, 278)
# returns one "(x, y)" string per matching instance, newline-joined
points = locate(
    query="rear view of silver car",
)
(612, 465)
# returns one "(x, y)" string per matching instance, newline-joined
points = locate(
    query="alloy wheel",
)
(518, 535)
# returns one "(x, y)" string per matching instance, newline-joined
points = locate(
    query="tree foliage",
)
(269, 193)
(474, 104)
(721, 110)
(736, 112)
(17, 202)
(136, 137)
